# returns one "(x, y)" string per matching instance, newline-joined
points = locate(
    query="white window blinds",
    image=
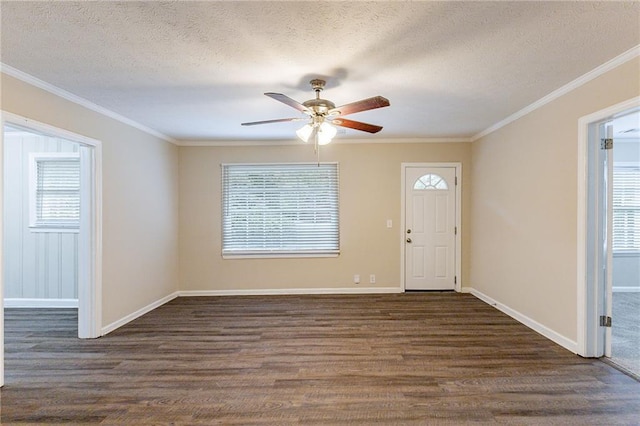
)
(626, 208)
(55, 192)
(280, 209)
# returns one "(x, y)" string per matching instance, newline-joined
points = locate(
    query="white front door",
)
(430, 222)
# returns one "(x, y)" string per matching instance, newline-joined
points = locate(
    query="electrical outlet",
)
(372, 279)
(356, 279)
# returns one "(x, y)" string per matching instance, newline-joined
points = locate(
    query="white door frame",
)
(403, 226)
(90, 247)
(591, 280)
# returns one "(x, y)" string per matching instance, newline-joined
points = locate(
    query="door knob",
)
(408, 240)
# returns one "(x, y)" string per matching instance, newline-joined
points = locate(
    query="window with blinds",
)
(280, 209)
(626, 208)
(54, 191)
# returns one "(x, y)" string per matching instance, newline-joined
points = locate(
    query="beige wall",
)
(369, 195)
(140, 198)
(524, 203)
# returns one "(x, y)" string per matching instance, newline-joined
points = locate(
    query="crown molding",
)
(29, 79)
(580, 81)
(402, 140)
(257, 142)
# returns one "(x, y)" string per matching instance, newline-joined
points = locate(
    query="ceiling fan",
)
(323, 115)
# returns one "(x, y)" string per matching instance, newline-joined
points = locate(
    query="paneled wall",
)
(38, 265)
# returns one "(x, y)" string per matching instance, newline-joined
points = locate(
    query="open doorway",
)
(42, 220)
(51, 222)
(625, 288)
(609, 235)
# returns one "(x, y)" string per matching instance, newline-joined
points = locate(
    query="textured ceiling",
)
(196, 70)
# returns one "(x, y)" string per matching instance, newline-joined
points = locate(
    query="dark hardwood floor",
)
(414, 358)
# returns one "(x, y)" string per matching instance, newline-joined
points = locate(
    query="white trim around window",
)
(280, 210)
(54, 192)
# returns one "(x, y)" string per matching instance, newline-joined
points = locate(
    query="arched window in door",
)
(430, 181)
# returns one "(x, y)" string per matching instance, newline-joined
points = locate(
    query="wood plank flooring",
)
(413, 358)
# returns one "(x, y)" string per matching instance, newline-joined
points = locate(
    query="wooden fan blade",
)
(363, 105)
(288, 101)
(358, 125)
(278, 120)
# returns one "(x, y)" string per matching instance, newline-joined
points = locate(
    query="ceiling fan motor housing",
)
(319, 106)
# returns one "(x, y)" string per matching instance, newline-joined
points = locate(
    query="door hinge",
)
(606, 143)
(455, 230)
(455, 279)
(456, 180)
(605, 321)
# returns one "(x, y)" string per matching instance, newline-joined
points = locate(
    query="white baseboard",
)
(291, 291)
(626, 289)
(532, 324)
(40, 303)
(150, 307)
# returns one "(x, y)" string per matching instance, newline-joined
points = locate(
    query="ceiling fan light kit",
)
(304, 132)
(324, 116)
(325, 133)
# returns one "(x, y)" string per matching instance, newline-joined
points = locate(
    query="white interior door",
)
(608, 238)
(430, 234)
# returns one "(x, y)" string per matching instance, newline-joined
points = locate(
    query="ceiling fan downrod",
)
(318, 106)
(317, 85)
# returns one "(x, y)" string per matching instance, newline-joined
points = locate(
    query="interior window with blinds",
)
(280, 209)
(54, 191)
(626, 209)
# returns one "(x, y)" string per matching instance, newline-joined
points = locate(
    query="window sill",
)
(58, 230)
(626, 253)
(279, 256)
